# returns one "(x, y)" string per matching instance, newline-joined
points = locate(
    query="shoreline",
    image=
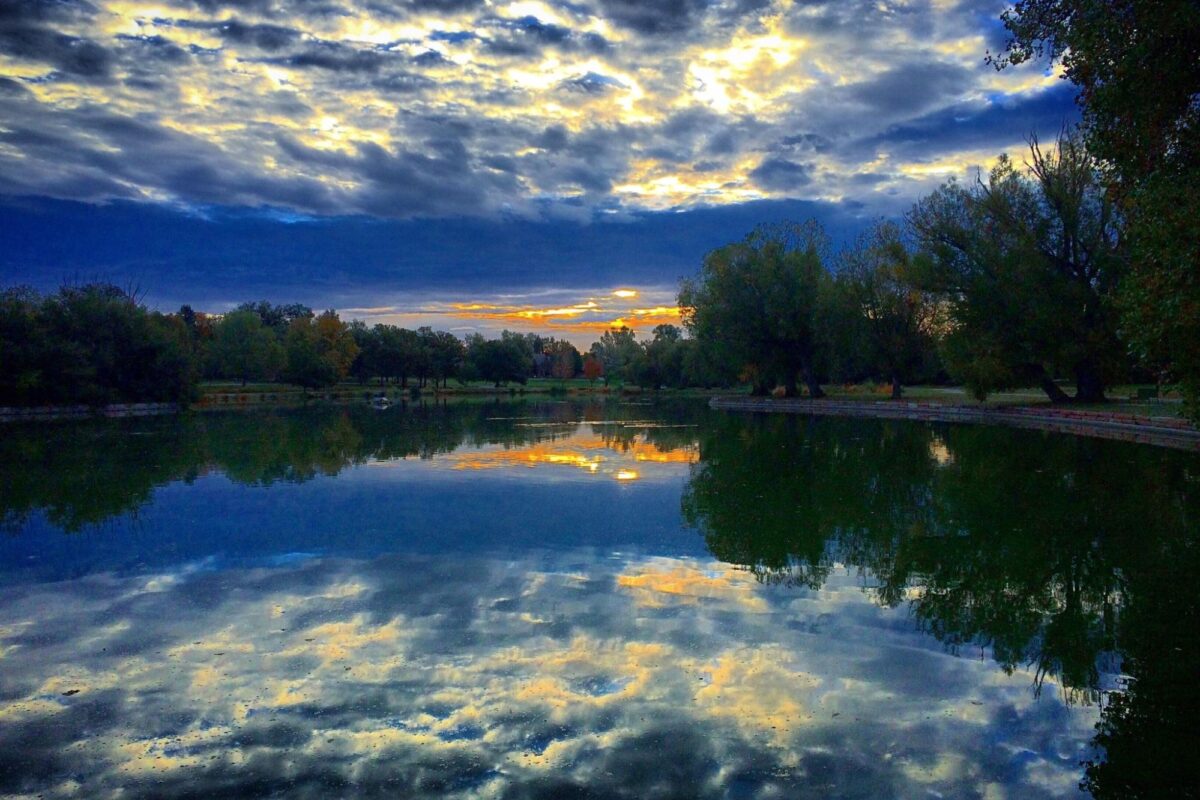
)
(1157, 431)
(111, 411)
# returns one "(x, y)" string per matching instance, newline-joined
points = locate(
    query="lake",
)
(611, 600)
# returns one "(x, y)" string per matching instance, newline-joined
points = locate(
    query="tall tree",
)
(337, 343)
(244, 349)
(1028, 264)
(755, 305)
(319, 351)
(900, 319)
(277, 317)
(499, 360)
(91, 344)
(565, 361)
(446, 354)
(1137, 66)
(616, 351)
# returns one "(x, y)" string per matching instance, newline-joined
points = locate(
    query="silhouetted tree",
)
(755, 305)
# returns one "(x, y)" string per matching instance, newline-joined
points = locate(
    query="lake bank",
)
(1159, 431)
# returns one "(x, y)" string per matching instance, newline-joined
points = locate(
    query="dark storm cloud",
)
(75, 56)
(911, 88)
(99, 153)
(782, 175)
(12, 88)
(653, 16)
(262, 36)
(273, 8)
(335, 57)
(982, 125)
(864, 20)
(403, 7)
(156, 49)
(665, 17)
(328, 106)
(180, 257)
(529, 35)
(406, 183)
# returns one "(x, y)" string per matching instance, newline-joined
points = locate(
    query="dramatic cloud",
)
(418, 154)
(330, 106)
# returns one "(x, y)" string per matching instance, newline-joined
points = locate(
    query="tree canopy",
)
(1027, 264)
(755, 305)
(1137, 66)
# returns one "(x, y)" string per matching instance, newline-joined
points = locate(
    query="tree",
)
(755, 306)
(593, 368)
(661, 360)
(22, 339)
(499, 360)
(319, 351)
(277, 318)
(1137, 65)
(398, 352)
(616, 351)
(366, 363)
(244, 349)
(565, 361)
(336, 342)
(305, 365)
(898, 318)
(92, 344)
(446, 354)
(1027, 264)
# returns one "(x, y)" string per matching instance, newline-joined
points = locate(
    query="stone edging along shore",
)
(1161, 431)
(11, 414)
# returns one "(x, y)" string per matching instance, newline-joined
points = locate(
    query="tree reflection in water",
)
(1067, 554)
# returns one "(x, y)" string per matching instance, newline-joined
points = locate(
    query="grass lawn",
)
(1121, 398)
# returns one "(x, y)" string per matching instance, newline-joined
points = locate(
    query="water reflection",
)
(547, 677)
(1061, 556)
(79, 475)
(893, 609)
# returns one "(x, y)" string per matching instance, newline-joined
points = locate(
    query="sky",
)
(545, 165)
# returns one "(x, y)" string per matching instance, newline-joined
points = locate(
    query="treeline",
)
(97, 343)
(1007, 282)
(93, 345)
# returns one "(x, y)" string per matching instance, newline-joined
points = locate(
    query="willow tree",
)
(900, 320)
(1027, 263)
(755, 305)
(1137, 66)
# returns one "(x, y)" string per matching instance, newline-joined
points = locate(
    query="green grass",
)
(1121, 398)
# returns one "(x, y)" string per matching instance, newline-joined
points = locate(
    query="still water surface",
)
(553, 600)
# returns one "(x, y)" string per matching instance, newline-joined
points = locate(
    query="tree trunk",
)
(789, 386)
(1089, 388)
(1052, 390)
(759, 389)
(897, 389)
(814, 387)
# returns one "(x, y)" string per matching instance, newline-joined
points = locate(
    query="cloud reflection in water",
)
(556, 675)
